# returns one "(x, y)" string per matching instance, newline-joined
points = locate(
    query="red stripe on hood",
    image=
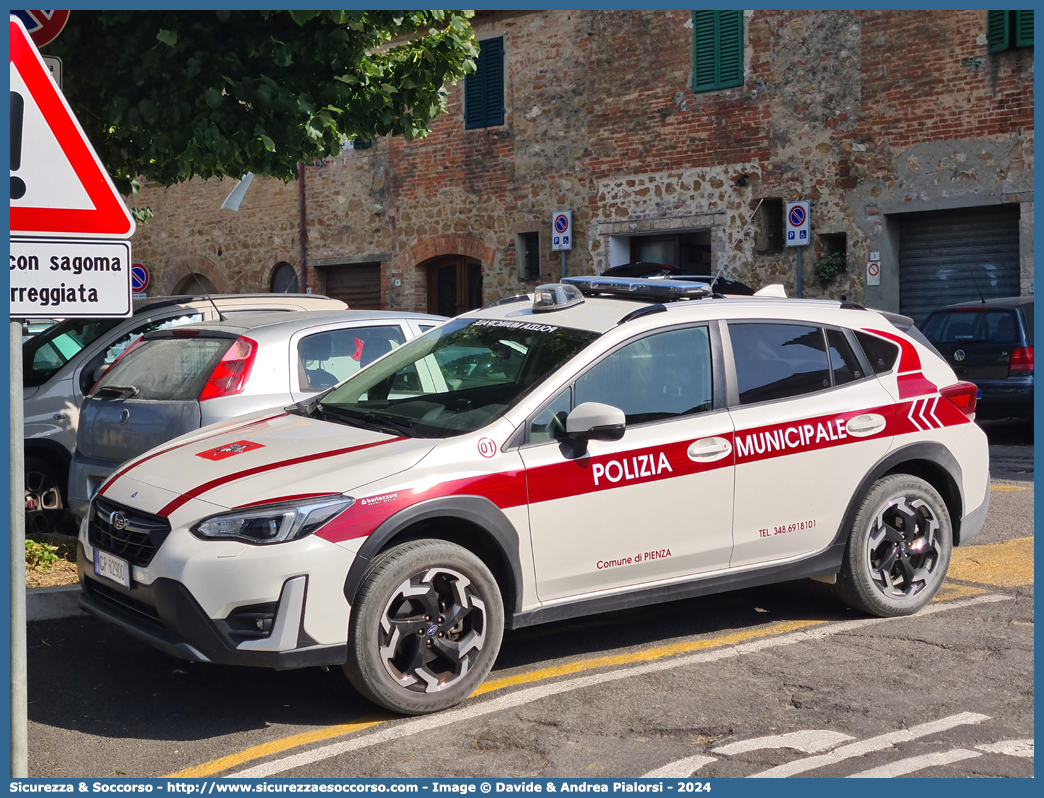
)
(223, 431)
(249, 472)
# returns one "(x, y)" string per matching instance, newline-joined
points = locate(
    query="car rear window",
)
(168, 369)
(972, 326)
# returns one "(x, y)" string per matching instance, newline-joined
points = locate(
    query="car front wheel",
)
(425, 629)
(898, 549)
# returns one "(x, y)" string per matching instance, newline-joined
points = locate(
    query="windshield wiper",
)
(368, 420)
(119, 391)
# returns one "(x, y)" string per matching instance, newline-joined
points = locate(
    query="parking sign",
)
(561, 230)
(798, 224)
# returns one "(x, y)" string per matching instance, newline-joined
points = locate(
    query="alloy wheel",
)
(903, 548)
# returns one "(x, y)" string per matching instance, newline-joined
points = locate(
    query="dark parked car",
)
(989, 343)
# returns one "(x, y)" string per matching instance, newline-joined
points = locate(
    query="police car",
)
(605, 443)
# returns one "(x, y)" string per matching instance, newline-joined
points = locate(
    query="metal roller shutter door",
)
(359, 285)
(951, 256)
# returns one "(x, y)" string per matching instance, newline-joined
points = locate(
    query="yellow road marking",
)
(640, 656)
(1006, 564)
(950, 591)
(1007, 488)
(276, 746)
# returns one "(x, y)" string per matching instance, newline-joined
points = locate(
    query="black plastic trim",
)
(184, 630)
(477, 510)
(972, 523)
(827, 561)
(637, 314)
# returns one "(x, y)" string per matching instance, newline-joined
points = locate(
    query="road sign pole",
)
(800, 289)
(19, 702)
(562, 253)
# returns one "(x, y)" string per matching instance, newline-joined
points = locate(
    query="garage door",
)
(952, 256)
(359, 285)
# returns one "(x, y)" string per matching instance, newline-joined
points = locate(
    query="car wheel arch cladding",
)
(928, 460)
(476, 511)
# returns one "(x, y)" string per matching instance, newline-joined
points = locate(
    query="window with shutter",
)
(1023, 28)
(484, 90)
(1008, 29)
(717, 50)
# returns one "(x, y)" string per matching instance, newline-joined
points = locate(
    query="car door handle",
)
(707, 450)
(60, 416)
(865, 425)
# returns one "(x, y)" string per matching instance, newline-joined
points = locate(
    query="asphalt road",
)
(776, 681)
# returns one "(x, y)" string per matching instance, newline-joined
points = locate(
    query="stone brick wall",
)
(867, 114)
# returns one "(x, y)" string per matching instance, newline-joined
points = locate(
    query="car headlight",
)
(272, 523)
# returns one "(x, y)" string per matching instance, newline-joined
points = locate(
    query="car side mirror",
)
(594, 421)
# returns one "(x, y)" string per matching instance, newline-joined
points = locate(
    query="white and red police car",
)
(603, 444)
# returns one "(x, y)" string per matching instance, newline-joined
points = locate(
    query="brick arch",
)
(449, 244)
(200, 265)
(267, 272)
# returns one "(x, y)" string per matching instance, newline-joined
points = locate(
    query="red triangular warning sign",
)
(58, 185)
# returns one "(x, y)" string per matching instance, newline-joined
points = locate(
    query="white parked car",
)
(605, 444)
(176, 380)
(61, 363)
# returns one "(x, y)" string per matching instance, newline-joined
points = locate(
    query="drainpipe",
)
(301, 231)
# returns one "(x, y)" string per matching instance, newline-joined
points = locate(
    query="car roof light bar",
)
(555, 296)
(640, 288)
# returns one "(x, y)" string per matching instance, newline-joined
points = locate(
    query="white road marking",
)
(1023, 748)
(808, 741)
(681, 769)
(879, 743)
(408, 728)
(914, 763)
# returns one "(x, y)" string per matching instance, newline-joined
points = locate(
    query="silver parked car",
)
(176, 380)
(61, 363)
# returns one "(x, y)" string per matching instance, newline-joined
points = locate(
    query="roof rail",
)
(640, 288)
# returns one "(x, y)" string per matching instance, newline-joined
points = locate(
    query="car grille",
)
(137, 542)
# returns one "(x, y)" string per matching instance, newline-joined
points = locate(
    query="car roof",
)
(601, 313)
(153, 302)
(276, 321)
(1000, 302)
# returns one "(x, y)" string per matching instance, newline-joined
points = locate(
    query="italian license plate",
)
(112, 568)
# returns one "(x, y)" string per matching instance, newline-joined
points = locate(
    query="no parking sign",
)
(139, 279)
(561, 230)
(798, 224)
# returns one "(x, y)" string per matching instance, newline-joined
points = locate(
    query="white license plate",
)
(112, 568)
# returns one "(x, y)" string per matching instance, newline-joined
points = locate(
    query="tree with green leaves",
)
(166, 95)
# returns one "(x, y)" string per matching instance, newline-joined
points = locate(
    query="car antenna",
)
(209, 299)
(976, 284)
(721, 269)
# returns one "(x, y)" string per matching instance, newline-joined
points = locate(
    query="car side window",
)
(549, 423)
(880, 353)
(778, 361)
(842, 360)
(329, 357)
(660, 376)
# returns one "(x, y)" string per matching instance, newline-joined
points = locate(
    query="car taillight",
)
(1021, 359)
(962, 394)
(231, 373)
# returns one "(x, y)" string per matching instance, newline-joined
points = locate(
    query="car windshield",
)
(455, 379)
(45, 354)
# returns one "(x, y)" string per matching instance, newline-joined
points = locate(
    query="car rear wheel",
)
(44, 496)
(425, 629)
(899, 548)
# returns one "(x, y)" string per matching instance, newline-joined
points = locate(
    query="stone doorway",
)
(454, 284)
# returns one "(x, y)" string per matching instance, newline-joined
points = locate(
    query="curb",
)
(47, 603)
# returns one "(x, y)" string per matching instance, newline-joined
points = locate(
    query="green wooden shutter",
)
(717, 49)
(730, 48)
(997, 34)
(1023, 28)
(705, 50)
(484, 90)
